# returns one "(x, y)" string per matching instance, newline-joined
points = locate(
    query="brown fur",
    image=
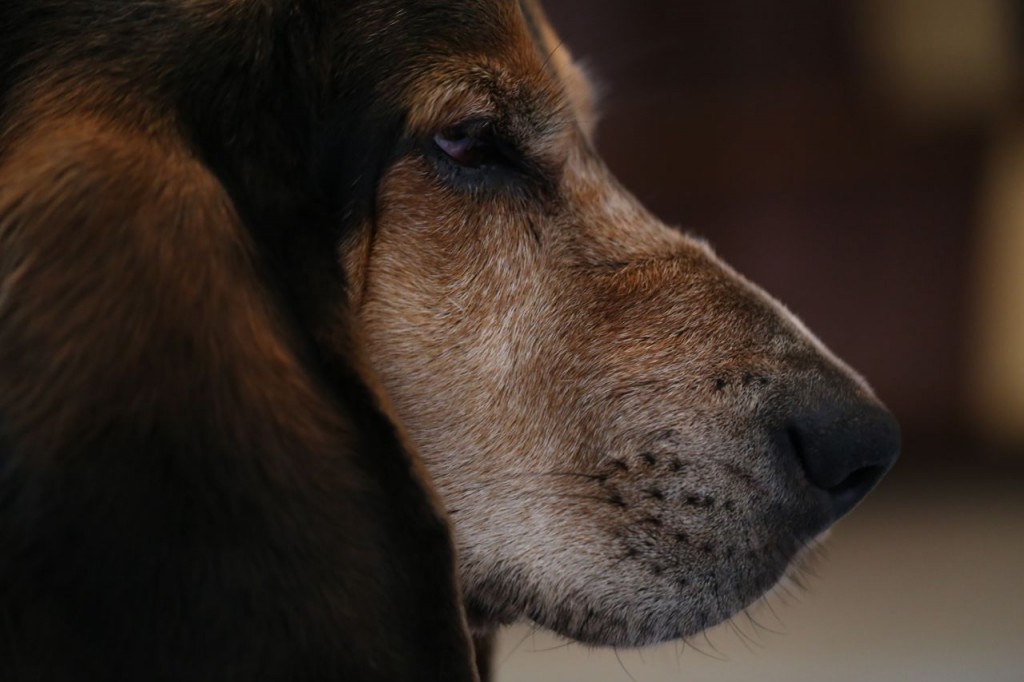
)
(259, 337)
(592, 391)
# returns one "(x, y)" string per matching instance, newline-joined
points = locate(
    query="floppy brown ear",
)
(184, 494)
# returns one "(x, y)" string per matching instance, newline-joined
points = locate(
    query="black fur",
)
(157, 521)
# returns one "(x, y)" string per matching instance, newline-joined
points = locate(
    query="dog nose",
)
(845, 450)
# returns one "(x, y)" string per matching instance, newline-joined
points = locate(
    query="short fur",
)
(252, 318)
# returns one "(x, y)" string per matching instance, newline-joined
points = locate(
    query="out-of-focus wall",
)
(940, 63)
(997, 371)
(836, 153)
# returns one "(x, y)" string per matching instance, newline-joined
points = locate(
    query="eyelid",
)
(471, 126)
(520, 161)
(465, 146)
(487, 133)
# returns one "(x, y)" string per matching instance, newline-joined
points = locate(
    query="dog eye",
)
(473, 145)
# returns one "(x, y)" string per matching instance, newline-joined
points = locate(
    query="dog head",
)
(284, 200)
(632, 440)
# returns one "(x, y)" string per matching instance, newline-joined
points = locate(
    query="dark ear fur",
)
(191, 486)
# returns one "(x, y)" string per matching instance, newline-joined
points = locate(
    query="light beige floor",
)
(923, 582)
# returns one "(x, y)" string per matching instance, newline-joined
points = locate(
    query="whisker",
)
(529, 633)
(789, 593)
(558, 46)
(689, 642)
(757, 625)
(623, 665)
(556, 647)
(745, 639)
(707, 638)
(766, 600)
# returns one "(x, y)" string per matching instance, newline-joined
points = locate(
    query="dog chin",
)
(626, 625)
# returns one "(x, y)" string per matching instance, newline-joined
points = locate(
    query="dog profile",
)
(328, 345)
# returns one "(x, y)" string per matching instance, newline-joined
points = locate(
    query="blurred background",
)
(863, 160)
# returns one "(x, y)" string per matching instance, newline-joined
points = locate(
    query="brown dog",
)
(255, 254)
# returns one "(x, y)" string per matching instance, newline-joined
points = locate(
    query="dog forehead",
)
(441, 63)
(398, 41)
(430, 25)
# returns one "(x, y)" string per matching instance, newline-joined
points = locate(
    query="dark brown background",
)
(755, 124)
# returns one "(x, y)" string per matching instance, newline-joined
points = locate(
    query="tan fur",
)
(583, 382)
(298, 298)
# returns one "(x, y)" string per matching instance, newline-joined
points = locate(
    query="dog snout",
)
(844, 449)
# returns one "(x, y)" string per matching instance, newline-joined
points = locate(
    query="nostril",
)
(860, 478)
(855, 487)
(795, 440)
(844, 450)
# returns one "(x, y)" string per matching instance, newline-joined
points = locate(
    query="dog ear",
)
(185, 493)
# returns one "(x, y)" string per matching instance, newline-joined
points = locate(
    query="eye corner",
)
(480, 151)
(469, 144)
(475, 144)
(483, 154)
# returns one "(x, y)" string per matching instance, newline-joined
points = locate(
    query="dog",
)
(328, 345)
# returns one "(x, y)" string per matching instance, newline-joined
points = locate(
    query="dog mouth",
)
(672, 531)
(713, 534)
(680, 545)
(677, 602)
